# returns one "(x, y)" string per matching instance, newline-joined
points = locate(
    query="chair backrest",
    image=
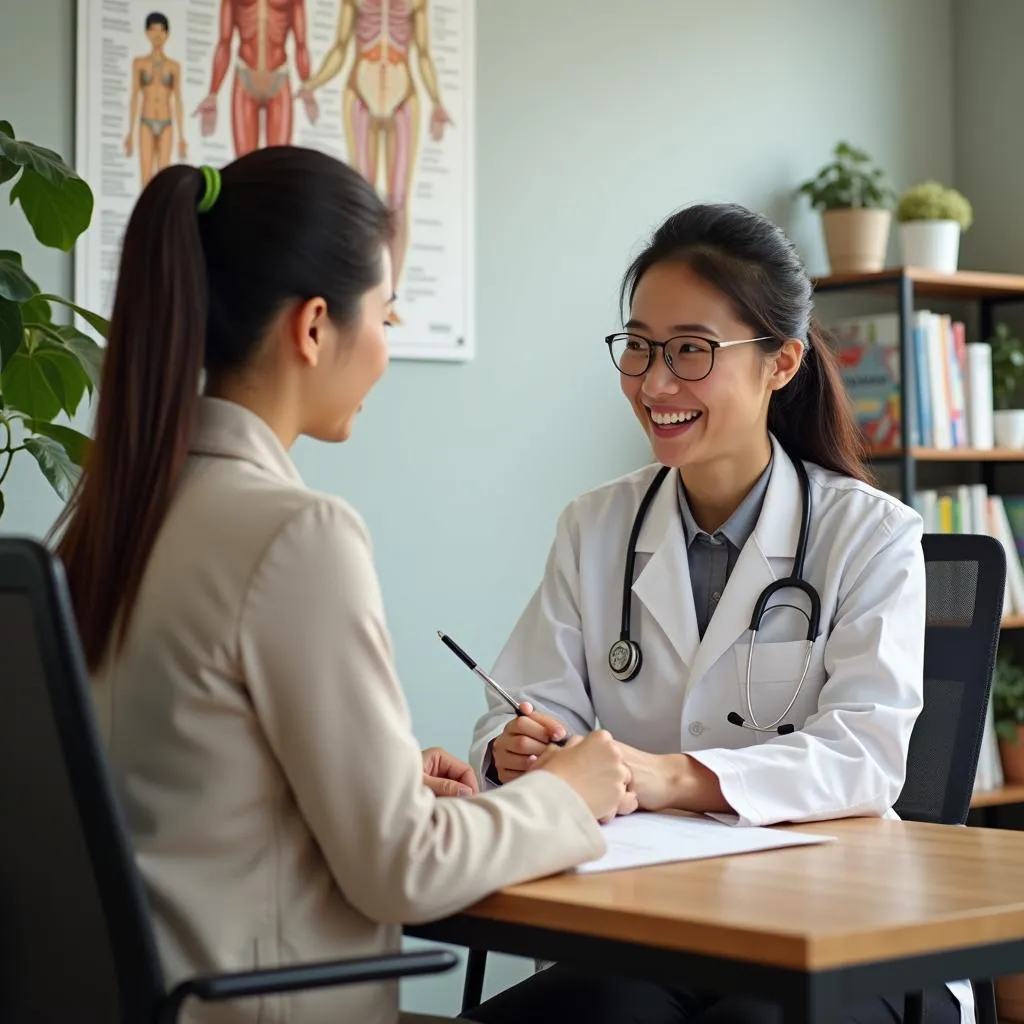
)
(75, 939)
(965, 577)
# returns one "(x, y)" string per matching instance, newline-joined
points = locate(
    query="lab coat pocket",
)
(774, 676)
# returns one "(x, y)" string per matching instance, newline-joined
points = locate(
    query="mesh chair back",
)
(965, 577)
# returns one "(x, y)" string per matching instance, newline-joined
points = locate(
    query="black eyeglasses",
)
(687, 356)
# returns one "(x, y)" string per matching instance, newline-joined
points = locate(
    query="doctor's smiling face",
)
(719, 409)
(720, 296)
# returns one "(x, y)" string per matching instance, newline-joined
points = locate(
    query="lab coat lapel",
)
(774, 537)
(663, 584)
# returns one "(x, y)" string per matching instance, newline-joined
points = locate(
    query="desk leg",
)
(473, 987)
(815, 1001)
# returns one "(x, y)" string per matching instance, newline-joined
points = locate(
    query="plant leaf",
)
(1, 503)
(87, 352)
(75, 444)
(52, 374)
(55, 463)
(97, 323)
(58, 210)
(15, 284)
(11, 330)
(65, 373)
(41, 161)
(37, 310)
(26, 388)
(8, 169)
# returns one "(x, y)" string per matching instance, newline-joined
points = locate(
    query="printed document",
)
(641, 839)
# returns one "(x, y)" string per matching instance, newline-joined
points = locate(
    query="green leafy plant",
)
(932, 201)
(849, 181)
(46, 368)
(1007, 368)
(1008, 697)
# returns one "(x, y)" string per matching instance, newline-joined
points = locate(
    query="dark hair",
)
(156, 18)
(752, 261)
(194, 292)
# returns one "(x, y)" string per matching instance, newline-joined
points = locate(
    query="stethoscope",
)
(625, 657)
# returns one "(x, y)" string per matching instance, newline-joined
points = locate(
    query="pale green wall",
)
(596, 118)
(989, 130)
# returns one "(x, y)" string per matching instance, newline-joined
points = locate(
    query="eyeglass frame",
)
(653, 345)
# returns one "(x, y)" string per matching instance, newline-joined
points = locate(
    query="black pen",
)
(495, 686)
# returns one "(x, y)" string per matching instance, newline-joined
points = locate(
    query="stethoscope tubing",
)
(625, 658)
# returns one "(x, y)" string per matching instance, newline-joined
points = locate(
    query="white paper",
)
(638, 840)
(434, 175)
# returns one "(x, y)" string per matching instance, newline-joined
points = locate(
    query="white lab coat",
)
(864, 684)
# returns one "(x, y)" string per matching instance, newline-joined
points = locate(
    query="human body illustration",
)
(261, 81)
(380, 102)
(155, 104)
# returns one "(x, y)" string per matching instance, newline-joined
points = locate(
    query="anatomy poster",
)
(386, 85)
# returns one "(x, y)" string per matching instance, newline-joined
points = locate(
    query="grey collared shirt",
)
(713, 556)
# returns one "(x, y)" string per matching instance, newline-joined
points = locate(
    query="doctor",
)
(642, 621)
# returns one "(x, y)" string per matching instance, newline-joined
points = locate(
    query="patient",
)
(232, 621)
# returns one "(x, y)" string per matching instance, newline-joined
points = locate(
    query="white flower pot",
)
(930, 244)
(1008, 427)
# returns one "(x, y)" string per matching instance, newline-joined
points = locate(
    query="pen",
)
(495, 686)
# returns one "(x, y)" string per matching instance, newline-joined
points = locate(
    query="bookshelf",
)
(987, 290)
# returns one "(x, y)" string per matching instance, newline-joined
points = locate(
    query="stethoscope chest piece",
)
(625, 659)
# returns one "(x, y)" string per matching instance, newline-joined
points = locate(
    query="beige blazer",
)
(263, 752)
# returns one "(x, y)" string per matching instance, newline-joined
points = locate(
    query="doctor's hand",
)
(677, 781)
(654, 777)
(596, 769)
(447, 775)
(523, 740)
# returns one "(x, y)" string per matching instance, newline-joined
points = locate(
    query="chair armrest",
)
(216, 988)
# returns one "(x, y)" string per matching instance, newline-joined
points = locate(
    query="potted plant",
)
(46, 368)
(931, 219)
(856, 210)
(1008, 712)
(1007, 387)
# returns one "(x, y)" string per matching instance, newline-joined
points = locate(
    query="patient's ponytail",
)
(209, 259)
(148, 396)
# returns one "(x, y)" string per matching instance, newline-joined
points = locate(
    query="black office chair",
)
(965, 578)
(76, 943)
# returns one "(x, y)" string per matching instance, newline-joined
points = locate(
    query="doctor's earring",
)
(625, 659)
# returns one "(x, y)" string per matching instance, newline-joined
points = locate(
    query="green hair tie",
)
(211, 188)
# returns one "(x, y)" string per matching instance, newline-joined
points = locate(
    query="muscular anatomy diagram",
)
(381, 108)
(261, 82)
(156, 88)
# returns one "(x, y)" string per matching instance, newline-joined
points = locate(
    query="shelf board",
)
(1012, 622)
(950, 455)
(998, 797)
(964, 284)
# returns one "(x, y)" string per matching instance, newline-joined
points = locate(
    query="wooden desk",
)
(889, 904)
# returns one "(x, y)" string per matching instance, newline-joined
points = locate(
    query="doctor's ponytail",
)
(811, 415)
(752, 262)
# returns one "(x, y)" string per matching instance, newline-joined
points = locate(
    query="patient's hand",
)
(447, 775)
